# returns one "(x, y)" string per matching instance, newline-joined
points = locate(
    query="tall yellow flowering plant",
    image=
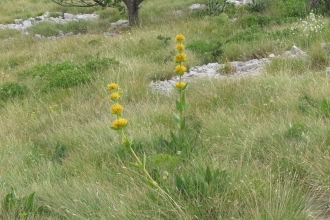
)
(180, 86)
(119, 124)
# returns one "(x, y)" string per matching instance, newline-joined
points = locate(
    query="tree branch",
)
(80, 3)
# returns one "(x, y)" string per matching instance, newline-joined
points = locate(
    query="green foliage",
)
(12, 90)
(315, 107)
(258, 5)
(295, 131)
(109, 14)
(22, 207)
(221, 19)
(45, 28)
(255, 19)
(197, 186)
(65, 75)
(254, 33)
(216, 7)
(209, 51)
(9, 33)
(165, 40)
(59, 153)
(48, 29)
(295, 8)
(97, 64)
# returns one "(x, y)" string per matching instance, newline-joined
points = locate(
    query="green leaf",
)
(135, 165)
(144, 161)
(183, 124)
(208, 175)
(9, 201)
(183, 102)
(179, 183)
(177, 120)
(29, 203)
(148, 182)
(178, 105)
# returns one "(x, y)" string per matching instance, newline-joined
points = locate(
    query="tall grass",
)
(267, 136)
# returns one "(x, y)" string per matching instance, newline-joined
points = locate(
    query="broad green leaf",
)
(208, 175)
(183, 102)
(178, 105)
(177, 120)
(144, 161)
(29, 203)
(183, 124)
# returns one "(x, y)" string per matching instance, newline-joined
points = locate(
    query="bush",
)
(101, 63)
(211, 51)
(61, 75)
(12, 90)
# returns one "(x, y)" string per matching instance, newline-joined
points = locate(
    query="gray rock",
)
(327, 70)
(294, 52)
(18, 21)
(27, 23)
(325, 45)
(38, 36)
(178, 12)
(196, 6)
(68, 16)
(211, 70)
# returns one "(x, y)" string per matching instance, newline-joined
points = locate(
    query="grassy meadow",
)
(258, 146)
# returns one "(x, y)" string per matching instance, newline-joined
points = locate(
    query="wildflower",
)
(180, 57)
(180, 85)
(114, 96)
(179, 69)
(180, 47)
(112, 86)
(179, 38)
(116, 109)
(119, 123)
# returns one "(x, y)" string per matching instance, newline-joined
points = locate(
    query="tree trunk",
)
(133, 11)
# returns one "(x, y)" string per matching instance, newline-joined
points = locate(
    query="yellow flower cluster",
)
(179, 58)
(116, 108)
(180, 85)
(179, 38)
(119, 123)
(112, 86)
(114, 96)
(180, 69)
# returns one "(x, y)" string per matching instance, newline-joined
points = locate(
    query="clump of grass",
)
(66, 74)
(12, 90)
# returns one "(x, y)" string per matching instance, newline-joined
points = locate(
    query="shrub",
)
(101, 63)
(61, 75)
(12, 90)
(210, 51)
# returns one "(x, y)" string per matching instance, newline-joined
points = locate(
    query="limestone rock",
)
(196, 6)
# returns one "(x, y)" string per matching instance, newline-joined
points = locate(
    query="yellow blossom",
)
(179, 38)
(180, 47)
(179, 69)
(180, 57)
(180, 85)
(114, 96)
(119, 123)
(112, 86)
(116, 109)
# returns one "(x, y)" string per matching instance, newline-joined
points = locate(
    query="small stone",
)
(327, 70)
(196, 6)
(271, 55)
